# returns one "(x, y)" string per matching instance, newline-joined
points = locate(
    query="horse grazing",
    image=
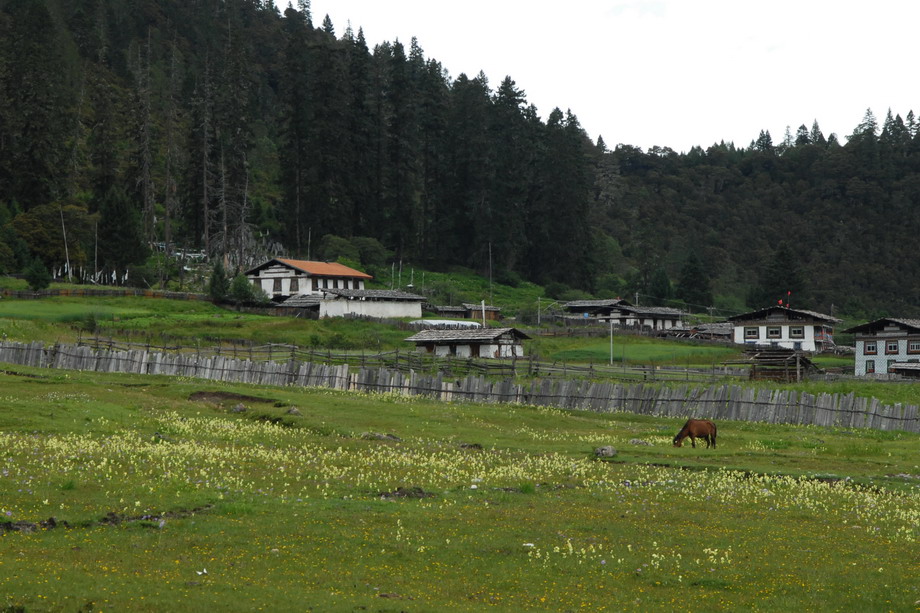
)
(697, 428)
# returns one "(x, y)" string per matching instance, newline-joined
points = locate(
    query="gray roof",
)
(373, 294)
(722, 327)
(301, 301)
(905, 366)
(640, 310)
(478, 307)
(800, 312)
(878, 324)
(464, 336)
(449, 309)
(606, 302)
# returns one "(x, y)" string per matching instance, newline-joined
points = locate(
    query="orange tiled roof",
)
(325, 269)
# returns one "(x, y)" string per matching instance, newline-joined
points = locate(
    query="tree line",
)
(238, 129)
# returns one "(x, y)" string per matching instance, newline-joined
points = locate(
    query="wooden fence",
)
(716, 402)
(413, 361)
(108, 291)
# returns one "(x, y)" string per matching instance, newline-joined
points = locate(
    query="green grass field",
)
(633, 350)
(175, 500)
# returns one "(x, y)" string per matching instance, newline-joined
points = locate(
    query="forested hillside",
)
(238, 128)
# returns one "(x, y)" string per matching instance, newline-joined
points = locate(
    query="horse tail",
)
(713, 435)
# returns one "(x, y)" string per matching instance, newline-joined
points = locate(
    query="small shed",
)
(468, 310)
(476, 343)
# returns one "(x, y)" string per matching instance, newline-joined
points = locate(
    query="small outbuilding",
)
(468, 310)
(477, 343)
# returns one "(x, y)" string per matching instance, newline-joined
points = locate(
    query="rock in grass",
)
(377, 436)
(606, 451)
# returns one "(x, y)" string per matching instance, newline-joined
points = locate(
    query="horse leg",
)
(693, 441)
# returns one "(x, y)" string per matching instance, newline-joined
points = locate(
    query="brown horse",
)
(697, 428)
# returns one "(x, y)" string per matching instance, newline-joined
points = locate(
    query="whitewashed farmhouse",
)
(330, 289)
(281, 277)
(780, 326)
(887, 346)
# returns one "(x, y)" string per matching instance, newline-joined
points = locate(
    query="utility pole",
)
(611, 340)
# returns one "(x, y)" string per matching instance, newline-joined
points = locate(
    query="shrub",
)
(37, 275)
(242, 291)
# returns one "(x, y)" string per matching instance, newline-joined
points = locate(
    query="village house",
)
(598, 311)
(330, 289)
(471, 343)
(781, 326)
(621, 313)
(282, 277)
(887, 346)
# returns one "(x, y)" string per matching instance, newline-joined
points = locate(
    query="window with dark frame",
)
(913, 346)
(752, 333)
(870, 348)
(797, 332)
(891, 347)
(870, 366)
(774, 332)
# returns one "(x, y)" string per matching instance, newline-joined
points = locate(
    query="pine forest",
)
(243, 130)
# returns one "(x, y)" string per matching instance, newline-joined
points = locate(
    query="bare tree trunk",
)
(146, 175)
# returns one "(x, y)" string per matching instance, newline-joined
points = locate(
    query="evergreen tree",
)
(694, 285)
(659, 287)
(120, 231)
(36, 86)
(218, 284)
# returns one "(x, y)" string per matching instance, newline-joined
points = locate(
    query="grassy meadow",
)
(186, 495)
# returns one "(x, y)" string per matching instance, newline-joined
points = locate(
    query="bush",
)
(508, 277)
(242, 291)
(372, 251)
(333, 248)
(37, 275)
(556, 290)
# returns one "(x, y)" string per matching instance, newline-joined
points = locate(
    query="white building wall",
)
(785, 340)
(267, 276)
(370, 308)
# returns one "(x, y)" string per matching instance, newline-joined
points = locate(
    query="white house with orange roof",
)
(330, 289)
(282, 278)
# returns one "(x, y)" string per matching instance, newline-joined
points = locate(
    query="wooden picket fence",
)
(727, 401)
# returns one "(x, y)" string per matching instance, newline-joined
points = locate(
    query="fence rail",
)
(716, 401)
(112, 291)
(413, 361)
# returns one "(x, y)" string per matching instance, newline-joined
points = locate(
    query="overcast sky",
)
(673, 73)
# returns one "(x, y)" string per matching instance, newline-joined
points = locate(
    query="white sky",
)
(673, 73)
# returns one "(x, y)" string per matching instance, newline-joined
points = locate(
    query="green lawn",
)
(174, 500)
(633, 349)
